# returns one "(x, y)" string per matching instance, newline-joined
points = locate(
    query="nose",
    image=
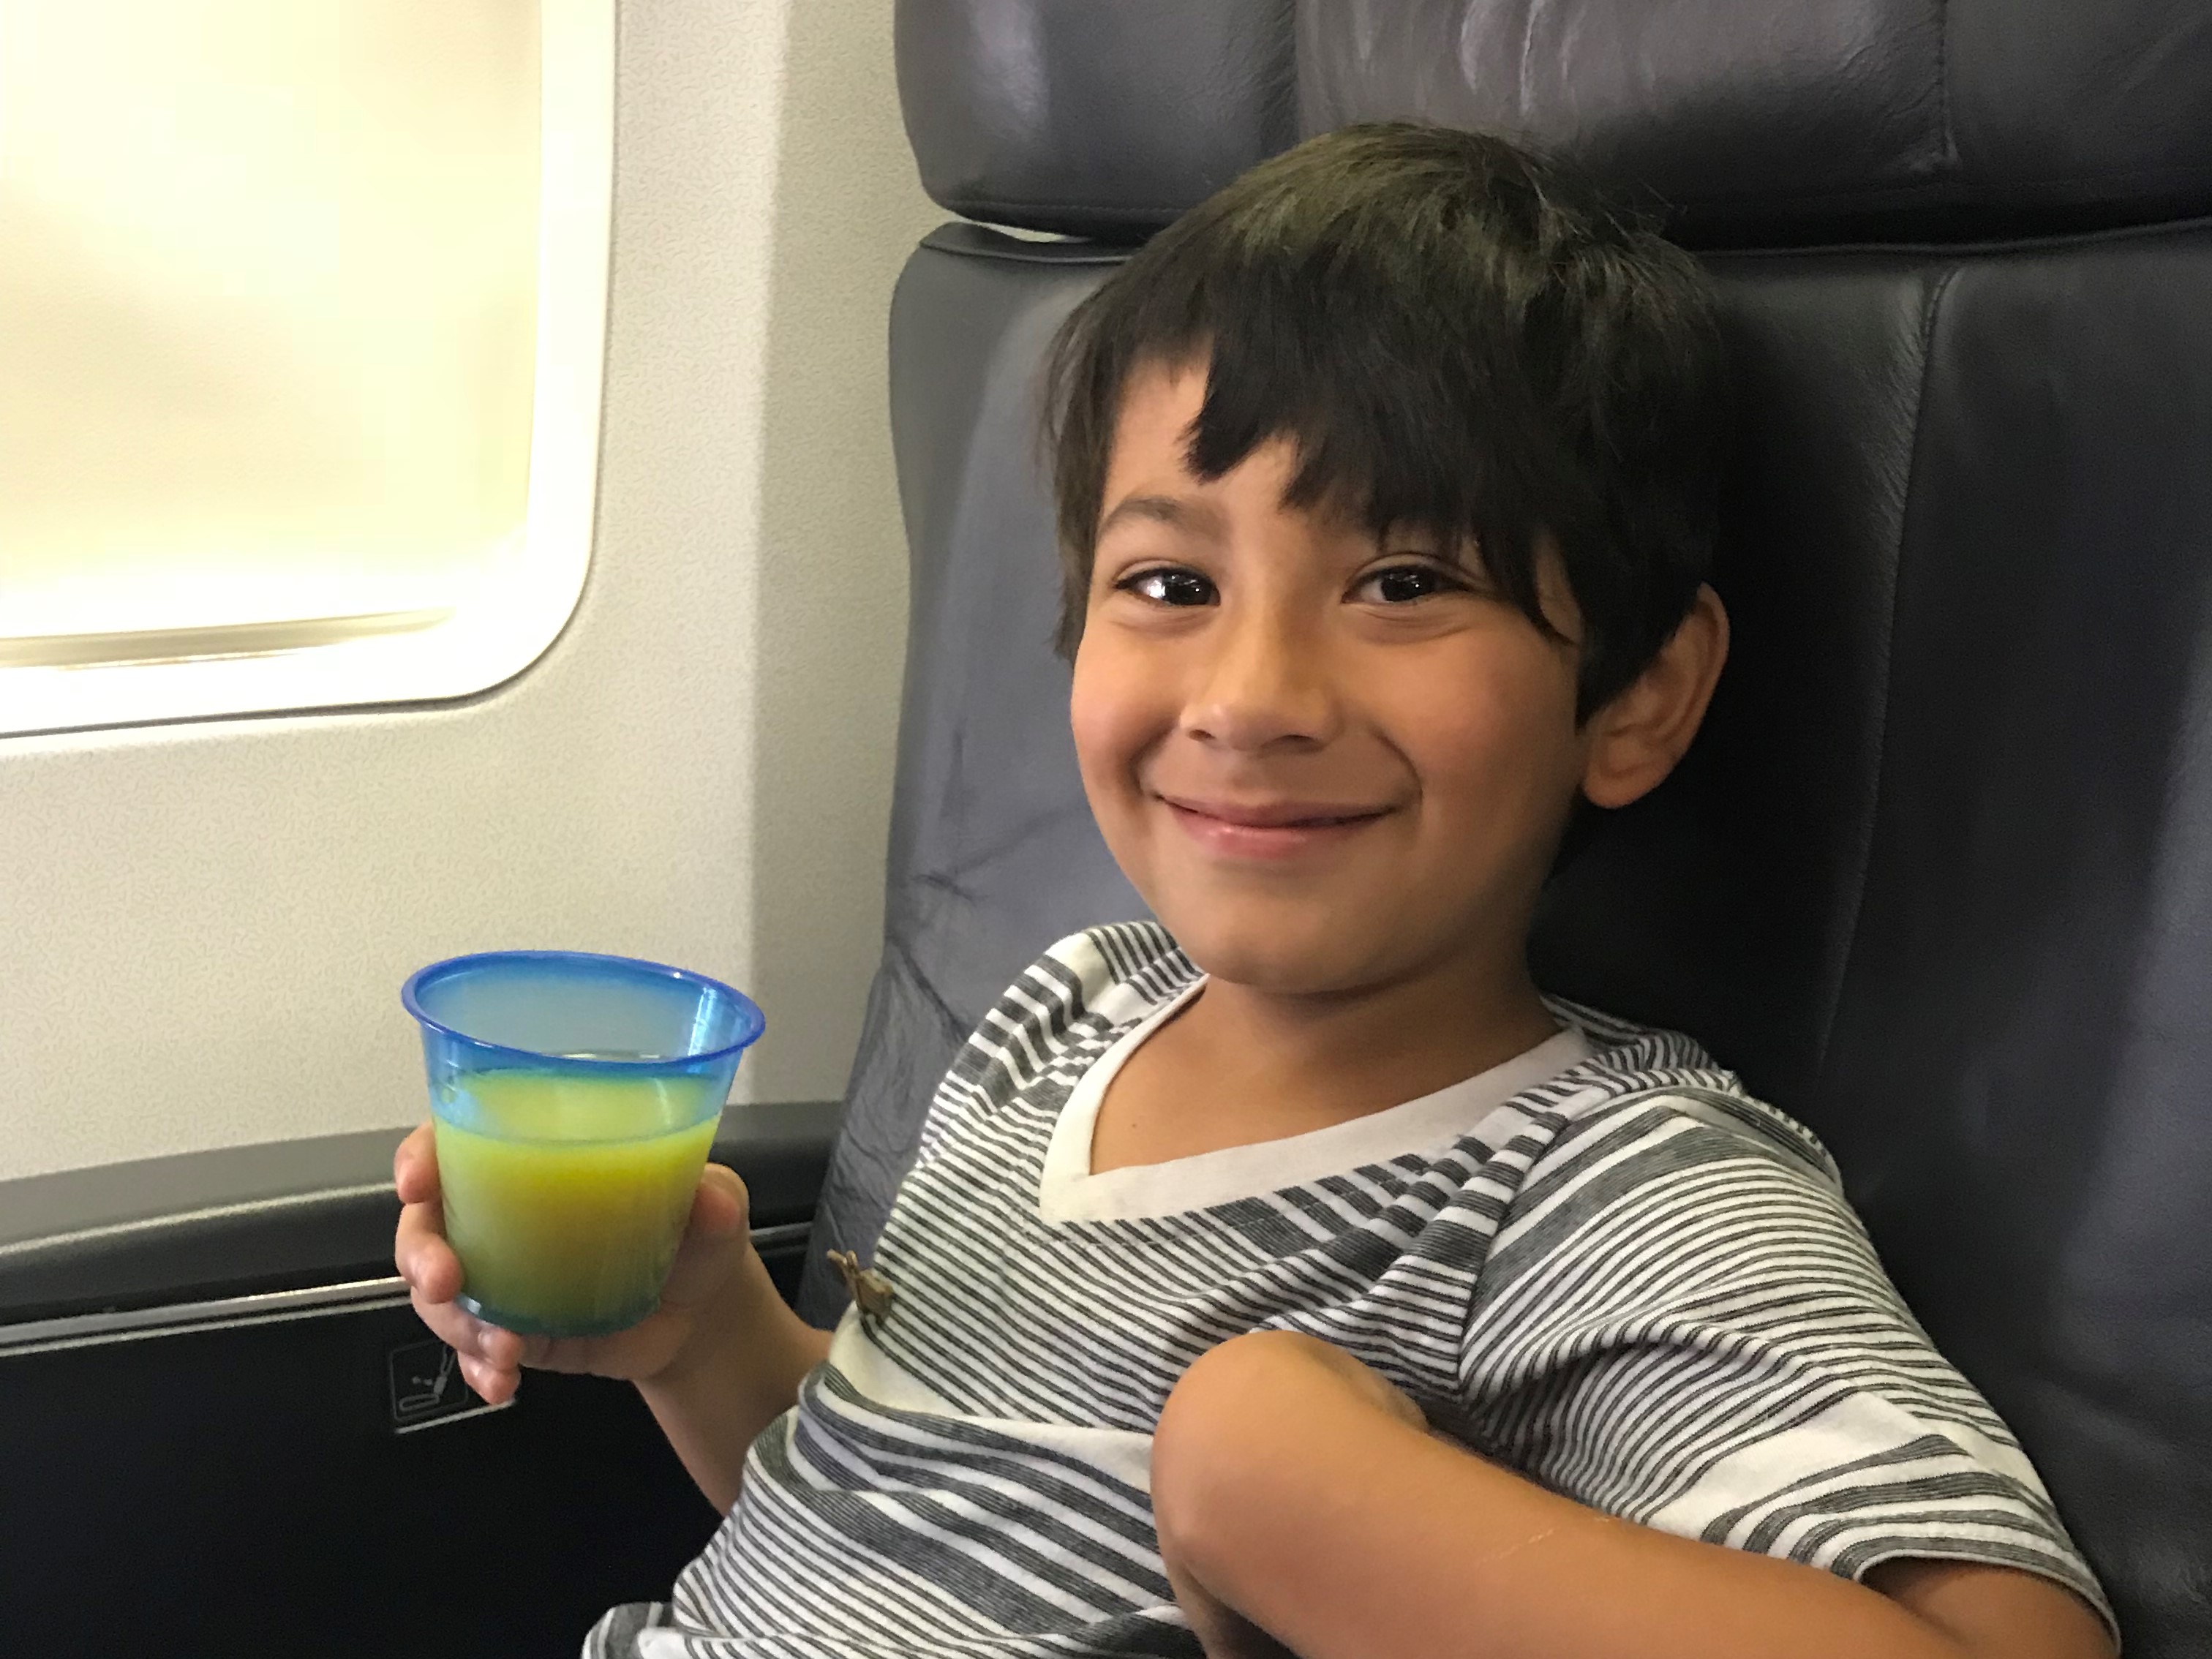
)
(1264, 686)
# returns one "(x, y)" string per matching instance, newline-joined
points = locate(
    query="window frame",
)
(522, 597)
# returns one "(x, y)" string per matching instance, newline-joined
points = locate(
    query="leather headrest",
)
(1756, 121)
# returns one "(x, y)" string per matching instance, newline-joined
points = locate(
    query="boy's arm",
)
(739, 1371)
(1293, 1496)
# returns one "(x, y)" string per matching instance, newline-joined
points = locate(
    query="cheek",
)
(1114, 720)
(1496, 749)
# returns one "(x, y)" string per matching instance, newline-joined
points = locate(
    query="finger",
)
(458, 1328)
(495, 1384)
(415, 1166)
(469, 1336)
(594, 1355)
(434, 1277)
(422, 1256)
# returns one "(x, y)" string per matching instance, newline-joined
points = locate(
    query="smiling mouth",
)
(1268, 829)
(1288, 814)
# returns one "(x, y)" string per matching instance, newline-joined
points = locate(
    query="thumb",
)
(721, 1206)
(712, 1239)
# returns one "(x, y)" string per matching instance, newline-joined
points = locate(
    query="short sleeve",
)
(1682, 1326)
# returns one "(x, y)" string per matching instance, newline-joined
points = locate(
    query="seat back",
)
(1937, 875)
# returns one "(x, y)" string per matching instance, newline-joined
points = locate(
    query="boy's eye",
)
(1402, 584)
(1167, 584)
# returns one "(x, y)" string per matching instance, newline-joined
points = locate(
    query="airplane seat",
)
(1937, 877)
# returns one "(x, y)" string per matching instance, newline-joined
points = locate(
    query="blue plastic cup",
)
(574, 1098)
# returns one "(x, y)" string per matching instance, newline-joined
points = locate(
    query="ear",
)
(1635, 740)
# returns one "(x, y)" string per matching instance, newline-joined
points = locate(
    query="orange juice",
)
(566, 1195)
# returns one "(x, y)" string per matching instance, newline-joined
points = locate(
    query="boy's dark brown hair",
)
(1457, 335)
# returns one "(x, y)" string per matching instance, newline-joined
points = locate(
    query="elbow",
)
(1212, 1450)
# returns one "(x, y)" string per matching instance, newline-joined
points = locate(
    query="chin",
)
(1288, 950)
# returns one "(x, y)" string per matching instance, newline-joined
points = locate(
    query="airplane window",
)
(301, 311)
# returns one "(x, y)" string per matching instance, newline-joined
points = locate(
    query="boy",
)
(1292, 1275)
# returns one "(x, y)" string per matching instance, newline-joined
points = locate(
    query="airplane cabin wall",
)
(203, 927)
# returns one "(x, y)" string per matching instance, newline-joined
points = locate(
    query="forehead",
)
(1159, 404)
(1150, 457)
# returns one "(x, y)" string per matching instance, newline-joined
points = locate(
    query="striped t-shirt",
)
(1602, 1264)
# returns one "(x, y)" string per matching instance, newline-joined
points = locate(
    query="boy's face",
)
(1328, 762)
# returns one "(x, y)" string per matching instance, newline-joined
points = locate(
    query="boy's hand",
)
(716, 1244)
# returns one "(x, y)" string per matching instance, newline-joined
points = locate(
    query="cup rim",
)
(753, 1022)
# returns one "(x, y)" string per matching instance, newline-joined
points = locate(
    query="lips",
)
(1269, 829)
(1273, 815)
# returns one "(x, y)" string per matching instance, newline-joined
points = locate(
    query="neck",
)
(1336, 1055)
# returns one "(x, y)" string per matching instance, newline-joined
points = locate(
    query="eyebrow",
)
(1177, 514)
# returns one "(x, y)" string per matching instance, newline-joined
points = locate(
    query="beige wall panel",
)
(202, 928)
